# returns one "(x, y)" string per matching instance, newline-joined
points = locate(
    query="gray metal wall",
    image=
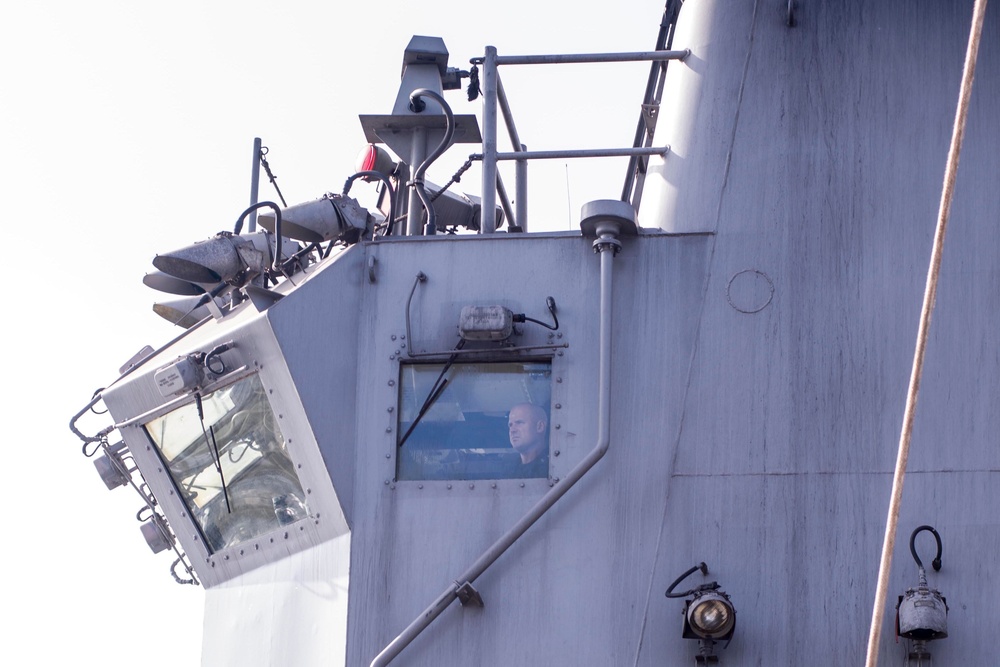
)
(763, 334)
(759, 372)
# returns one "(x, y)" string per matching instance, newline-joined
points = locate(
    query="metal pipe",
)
(653, 94)
(585, 152)
(571, 58)
(254, 184)
(418, 175)
(418, 151)
(489, 140)
(504, 204)
(508, 117)
(607, 245)
(521, 192)
(519, 218)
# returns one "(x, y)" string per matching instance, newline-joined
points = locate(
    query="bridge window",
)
(469, 421)
(229, 461)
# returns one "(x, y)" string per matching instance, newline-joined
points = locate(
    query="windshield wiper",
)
(214, 449)
(436, 390)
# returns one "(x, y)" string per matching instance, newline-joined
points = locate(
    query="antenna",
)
(569, 202)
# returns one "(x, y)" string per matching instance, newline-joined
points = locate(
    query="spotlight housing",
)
(226, 257)
(709, 615)
(188, 311)
(332, 217)
(162, 282)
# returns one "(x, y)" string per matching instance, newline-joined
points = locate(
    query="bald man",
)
(528, 426)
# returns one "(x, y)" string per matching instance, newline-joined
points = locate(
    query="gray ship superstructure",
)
(425, 434)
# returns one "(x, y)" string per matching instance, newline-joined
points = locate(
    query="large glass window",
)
(474, 421)
(229, 461)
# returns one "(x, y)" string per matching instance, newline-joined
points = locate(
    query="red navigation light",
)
(373, 158)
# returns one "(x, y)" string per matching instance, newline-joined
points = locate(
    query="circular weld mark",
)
(750, 291)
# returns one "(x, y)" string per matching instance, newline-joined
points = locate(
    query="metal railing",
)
(494, 97)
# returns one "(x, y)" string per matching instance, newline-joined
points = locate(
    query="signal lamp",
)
(374, 158)
(331, 217)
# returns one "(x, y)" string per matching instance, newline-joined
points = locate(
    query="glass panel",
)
(474, 421)
(230, 464)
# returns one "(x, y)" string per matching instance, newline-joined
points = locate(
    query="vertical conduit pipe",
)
(607, 245)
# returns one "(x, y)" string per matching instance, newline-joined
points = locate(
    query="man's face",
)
(525, 429)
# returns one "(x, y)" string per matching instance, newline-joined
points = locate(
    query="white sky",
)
(126, 129)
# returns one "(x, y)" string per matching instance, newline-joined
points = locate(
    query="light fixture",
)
(226, 257)
(157, 533)
(494, 323)
(922, 613)
(332, 217)
(375, 158)
(162, 282)
(111, 466)
(709, 615)
(190, 310)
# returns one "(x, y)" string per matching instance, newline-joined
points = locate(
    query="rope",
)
(930, 292)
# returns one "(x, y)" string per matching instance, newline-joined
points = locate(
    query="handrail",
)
(494, 96)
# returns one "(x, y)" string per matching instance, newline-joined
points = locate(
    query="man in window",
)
(529, 428)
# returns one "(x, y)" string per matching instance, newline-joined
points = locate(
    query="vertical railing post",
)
(254, 184)
(521, 192)
(488, 215)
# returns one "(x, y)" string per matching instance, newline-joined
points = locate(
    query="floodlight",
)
(459, 209)
(225, 257)
(330, 217)
(159, 280)
(190, 310)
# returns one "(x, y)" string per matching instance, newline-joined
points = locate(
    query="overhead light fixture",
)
(922, 613)
(709, 615)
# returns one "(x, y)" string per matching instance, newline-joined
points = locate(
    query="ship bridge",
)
(420, 432)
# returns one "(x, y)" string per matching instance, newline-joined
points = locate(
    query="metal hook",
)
(936, 563)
